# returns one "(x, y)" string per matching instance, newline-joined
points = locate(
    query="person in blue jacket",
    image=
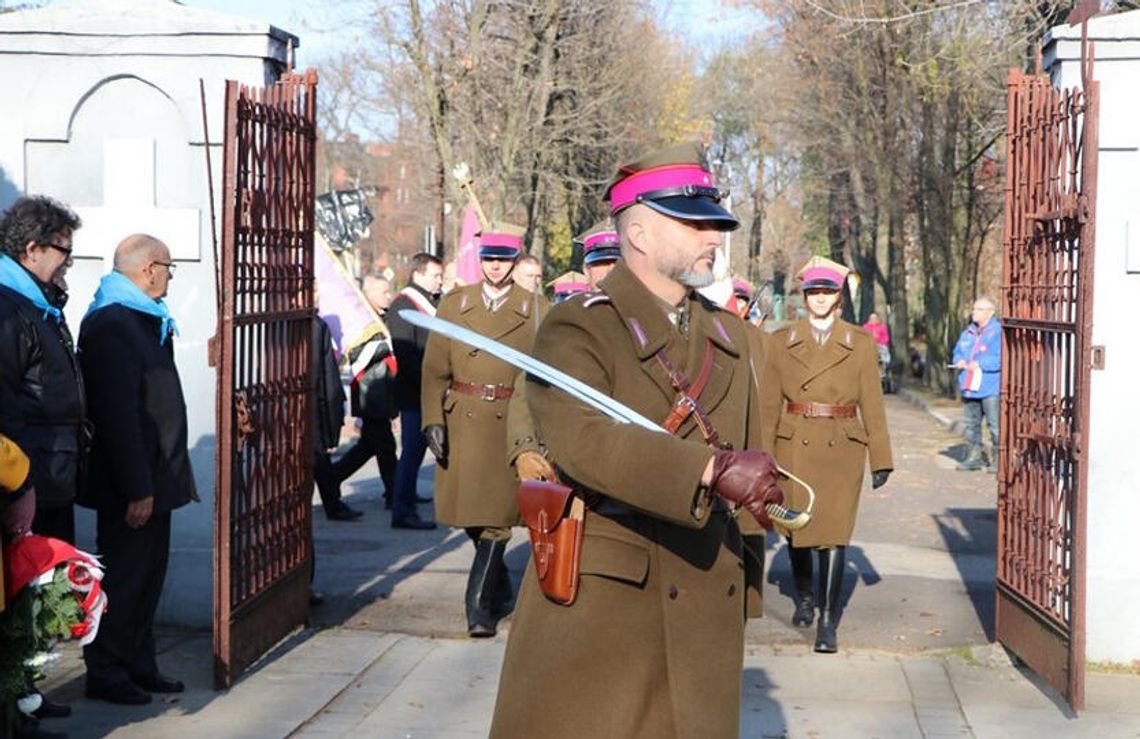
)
(978, 357)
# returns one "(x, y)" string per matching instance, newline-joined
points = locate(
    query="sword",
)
(786, 518)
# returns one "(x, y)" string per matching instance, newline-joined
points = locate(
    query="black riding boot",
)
(482, 583)
(802, 578)
(831, 564)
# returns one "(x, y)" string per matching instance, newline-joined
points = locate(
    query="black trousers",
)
(58, 522)
(376, 440)
(135, 570)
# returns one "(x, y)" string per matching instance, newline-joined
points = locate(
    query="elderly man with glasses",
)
(978, 357)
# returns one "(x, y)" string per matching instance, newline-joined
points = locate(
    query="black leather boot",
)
(482, 583)
(831, 565)
(802, 578)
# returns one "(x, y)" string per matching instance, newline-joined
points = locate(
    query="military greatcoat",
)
(477, 487)
(829, 453)
(653, 645)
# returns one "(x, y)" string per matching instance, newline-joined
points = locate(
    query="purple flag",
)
(467, 255)
(350, 317)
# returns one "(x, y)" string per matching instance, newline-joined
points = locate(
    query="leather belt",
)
(821, 410)
(489, 393)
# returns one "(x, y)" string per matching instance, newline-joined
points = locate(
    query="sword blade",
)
(556, 377)
(788, 519)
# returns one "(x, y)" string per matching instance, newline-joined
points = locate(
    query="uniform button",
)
(831, 443)
(806, 385)
(731, 590)
(469, 416)
(805, 441)
(499, 414)
(673, 592)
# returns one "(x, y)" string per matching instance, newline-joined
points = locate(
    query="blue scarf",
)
(116, 289)
(16, 278)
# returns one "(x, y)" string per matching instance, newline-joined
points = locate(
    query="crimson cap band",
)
(603, 246)
(498, 245)
(675, 183)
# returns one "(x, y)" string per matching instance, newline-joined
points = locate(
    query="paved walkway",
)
(387, 656)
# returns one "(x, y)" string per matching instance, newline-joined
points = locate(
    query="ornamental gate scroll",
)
(1050, 198)
(263, 550)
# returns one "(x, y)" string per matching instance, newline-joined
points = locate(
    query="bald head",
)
(135, 252)
(145, 261)
(378, 291)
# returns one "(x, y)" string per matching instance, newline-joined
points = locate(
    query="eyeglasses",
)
(170, 266)
(67, 250)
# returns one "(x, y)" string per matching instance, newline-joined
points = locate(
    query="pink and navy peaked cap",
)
(501, 241)
(675, 182)
(821, 273)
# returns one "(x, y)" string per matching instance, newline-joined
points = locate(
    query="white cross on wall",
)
(129, 207)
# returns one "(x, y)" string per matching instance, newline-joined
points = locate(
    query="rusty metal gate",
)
(1046, 359)
(263, 552)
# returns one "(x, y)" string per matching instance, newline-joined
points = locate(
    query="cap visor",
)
(498, 252)
(819, 285)
(695, 209)
(601, 255)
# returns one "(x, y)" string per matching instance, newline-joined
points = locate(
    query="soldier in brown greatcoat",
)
(464, 403)
(823, 419)
(653, 644)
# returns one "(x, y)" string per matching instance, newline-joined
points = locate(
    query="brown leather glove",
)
(531, 465)
(747, 478)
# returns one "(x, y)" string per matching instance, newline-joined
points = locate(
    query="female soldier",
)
(822, 417)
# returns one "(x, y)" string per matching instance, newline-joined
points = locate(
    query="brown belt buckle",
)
(489, 393)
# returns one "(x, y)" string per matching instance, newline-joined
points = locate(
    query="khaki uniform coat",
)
(830, 454)
(653, 645)
(477, 488)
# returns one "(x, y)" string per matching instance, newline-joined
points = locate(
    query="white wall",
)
(1113, 443)
(71, 104)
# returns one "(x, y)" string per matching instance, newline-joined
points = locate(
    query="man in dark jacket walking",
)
(421, 294)
(140, 467)
(41, 390)
(373, 366)
(328, 411)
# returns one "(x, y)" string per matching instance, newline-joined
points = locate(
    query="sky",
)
(324, 26)
(327, 25)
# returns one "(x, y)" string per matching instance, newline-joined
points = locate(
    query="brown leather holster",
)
(555, 516)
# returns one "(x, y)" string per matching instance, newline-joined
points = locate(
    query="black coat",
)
(41, 395)
(328, 394)
(371, 390)
(408, 342)
(138, 413)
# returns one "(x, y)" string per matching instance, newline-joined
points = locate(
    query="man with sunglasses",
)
(41, 390)
(42, 405)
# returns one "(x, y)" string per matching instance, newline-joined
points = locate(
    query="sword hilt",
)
(787, 518)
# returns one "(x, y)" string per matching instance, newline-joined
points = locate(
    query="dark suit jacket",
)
(408, 342)
(135, 403)
(328, 394)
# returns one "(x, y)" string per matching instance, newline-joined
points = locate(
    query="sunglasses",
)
(66, 250)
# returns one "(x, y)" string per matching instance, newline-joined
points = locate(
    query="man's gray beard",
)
(694, 279)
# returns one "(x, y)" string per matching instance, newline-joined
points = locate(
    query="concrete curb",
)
(916, 399)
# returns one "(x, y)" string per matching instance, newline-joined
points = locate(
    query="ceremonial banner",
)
(467, 253)
(350, 317)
